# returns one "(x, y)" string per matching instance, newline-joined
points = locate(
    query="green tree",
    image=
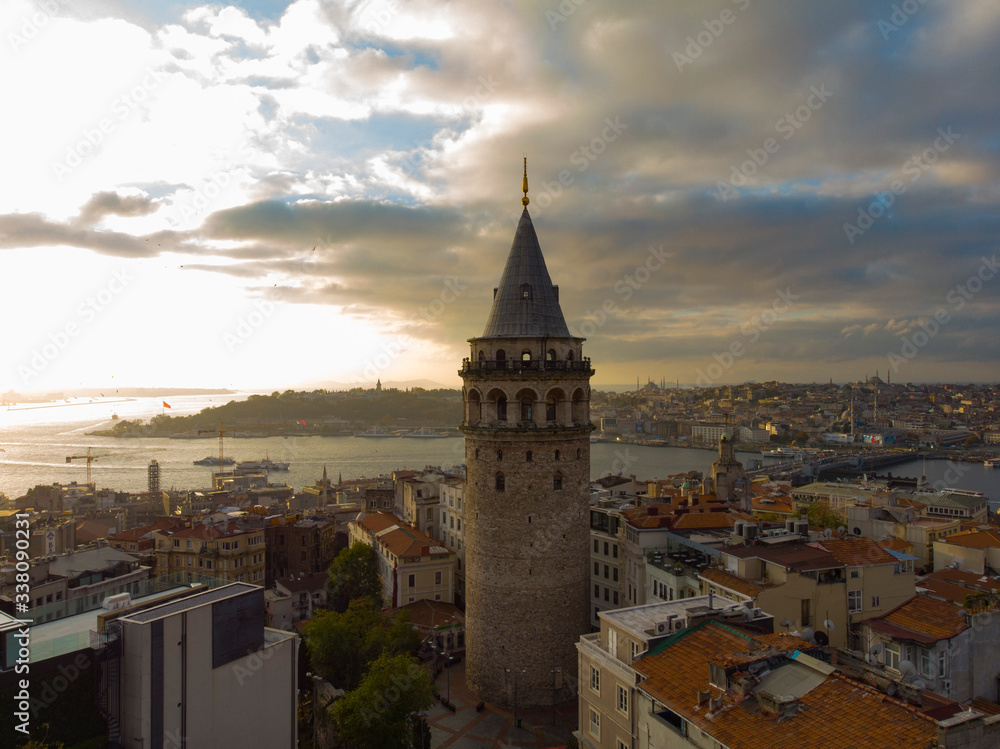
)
(821, 515)
(972, 439)
(381, 712)
(354, 574)
(343, 645)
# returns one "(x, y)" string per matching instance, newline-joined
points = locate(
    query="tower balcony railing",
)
(516, 366)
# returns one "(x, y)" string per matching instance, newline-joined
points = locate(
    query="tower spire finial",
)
(524, 184)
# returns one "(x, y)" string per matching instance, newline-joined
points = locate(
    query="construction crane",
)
(90, 457)
(222, 430)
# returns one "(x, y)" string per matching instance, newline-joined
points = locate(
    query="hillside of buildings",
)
(322, 411)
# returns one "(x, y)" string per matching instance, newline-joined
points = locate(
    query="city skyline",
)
(282, 194)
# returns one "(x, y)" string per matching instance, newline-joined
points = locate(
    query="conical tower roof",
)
(526, 304)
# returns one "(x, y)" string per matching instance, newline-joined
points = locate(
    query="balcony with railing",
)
(518, 366)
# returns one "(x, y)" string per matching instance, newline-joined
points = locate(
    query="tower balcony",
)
(521, 366)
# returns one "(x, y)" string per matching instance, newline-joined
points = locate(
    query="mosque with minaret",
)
(526, 395)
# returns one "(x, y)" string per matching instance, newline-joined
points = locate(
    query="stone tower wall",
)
(527, 556)
(527, 561)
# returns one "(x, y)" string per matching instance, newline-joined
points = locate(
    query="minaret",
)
(527, 454)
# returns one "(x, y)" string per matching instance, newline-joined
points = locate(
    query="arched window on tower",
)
(550, 409)
(525, 291)
(500, 482)
(550, 355)
(475, 412)
(502, 408)
(557, 482)
(569, 356)
(527, 457)
(499, 454)
(501, 355)
(557, 456)
(526, 409)
(526, 355)
(482, 354)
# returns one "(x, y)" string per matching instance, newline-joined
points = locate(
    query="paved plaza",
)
(493, 727)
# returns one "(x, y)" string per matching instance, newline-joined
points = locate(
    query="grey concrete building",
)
(200, 671)
(527, 431)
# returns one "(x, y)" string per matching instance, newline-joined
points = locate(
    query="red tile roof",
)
(397, 537)
(956, 585)
(731, 581)
(921, 619)
(863, 717)
(986, 707)
(136, 534)
(795, 557)
(857, 551)
(432, 614)
(975, 539)
(896, 544)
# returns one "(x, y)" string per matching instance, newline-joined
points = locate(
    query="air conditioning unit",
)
(678, 625)
(666, 626)
(946, 683)
(757, 613)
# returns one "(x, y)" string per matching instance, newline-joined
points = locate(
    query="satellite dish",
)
(808, 634)
(822, 639)
(828, 624)
(905, 668)
(857, 531)
(876, 650)
(828, 533)
(918, 685)
(786, 623)
(891, 689)
(841, 529)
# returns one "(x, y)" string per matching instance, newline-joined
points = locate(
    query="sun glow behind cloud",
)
(344, 162)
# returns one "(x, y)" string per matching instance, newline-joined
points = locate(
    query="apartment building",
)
(412, 565)
(606, 692)
(829, 586)
(452, 504)
(974, 550)
(297, 545)
(926, 643)
(725, 684)
(225, 550)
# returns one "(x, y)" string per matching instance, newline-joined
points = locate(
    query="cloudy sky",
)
(277, 194)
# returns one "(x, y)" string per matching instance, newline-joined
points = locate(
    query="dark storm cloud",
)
(737, 149)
